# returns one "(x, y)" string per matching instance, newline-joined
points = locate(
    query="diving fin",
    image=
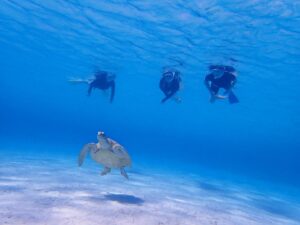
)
(232, 98)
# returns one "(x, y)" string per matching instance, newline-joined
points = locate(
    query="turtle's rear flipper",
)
(105, 171)
(123, 173)
(87, 148)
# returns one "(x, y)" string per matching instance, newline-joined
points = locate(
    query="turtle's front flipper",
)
(123, 173)
(105, 171)
(86, 149)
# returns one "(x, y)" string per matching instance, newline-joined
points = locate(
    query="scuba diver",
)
(169, 84)
(102, 80)
(221, 77)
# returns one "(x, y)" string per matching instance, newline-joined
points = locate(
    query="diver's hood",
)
(217, 73)
(100, 73)
(105, 75)
(228, 69)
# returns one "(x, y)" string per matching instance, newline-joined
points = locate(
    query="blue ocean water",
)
(45, 43)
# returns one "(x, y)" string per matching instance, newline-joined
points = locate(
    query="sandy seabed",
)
(46, 191)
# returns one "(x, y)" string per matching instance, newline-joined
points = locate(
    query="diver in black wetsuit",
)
(103, 81)
(221, 77)
(170, 84)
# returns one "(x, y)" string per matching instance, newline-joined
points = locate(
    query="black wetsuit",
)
(169, 86)
(101, 82)
(226, 81)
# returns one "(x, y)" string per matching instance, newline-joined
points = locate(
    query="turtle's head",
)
(101, 136)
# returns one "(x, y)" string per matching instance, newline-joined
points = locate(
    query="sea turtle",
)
(108, 153)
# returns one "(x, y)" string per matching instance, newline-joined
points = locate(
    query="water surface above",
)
(45, 43)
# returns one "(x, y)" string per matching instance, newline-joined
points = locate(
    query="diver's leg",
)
(79, 81)
(123, 172)
(105, 171)
(90, 89)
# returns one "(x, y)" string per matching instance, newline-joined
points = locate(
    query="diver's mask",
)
(169, 76)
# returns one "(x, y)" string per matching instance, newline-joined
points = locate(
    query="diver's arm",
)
(207, 85)
(167, 97)
(112, 93)
(180, 84)
(172, 92)
(162, 88)
(90, 89)
(233, 82)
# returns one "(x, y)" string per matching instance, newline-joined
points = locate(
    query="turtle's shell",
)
(113, 156)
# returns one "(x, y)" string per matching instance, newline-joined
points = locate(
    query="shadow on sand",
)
(211, 187)
(11, 188)
(277, 207)
(217, 189)
(124, 199)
